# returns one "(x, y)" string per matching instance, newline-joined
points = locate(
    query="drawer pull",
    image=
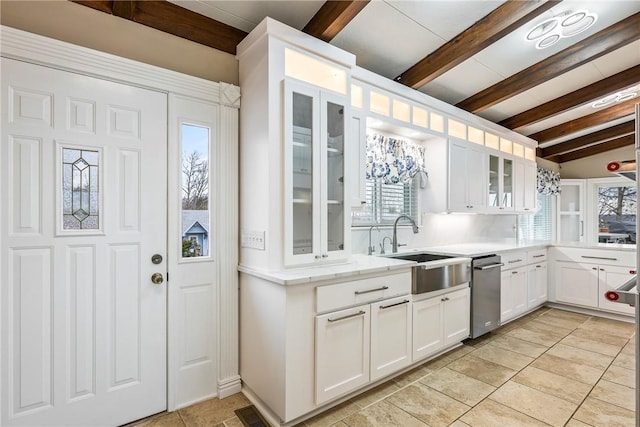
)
(383, 288)
(599, 257)
(348, 316)
(514, 260)
(382, 307)
(538, 256)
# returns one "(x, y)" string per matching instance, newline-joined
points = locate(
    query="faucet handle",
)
(401, 244)
(381, 249)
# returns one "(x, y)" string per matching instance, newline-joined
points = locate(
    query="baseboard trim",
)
(229, 387)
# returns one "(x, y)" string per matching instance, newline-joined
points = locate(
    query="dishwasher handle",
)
(489, 266)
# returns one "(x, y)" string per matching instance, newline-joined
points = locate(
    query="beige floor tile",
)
(595, 412)
(382, 414)
(568, 369)
(600, 336)
(587, 344)
(616, 394)
(566, 315)
(620, 375)
(375, 394)
(534, 337)
(609, 326)
(483, 370)
(578, 355)
(541, 406)
(502, 357)
(551, 326)
(445, 359)
(625, 360)
(575, 423)
(458, 386)
(333, 415)
(459, 423)
(166, 419)
(428, 405)
(213, 411)
(412, 375)
(519, 346)
(340, 424)
(553, 384)
(629, 348)
(233, 422)
(490, 413)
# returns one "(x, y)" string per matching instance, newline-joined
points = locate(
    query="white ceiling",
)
(389, 36)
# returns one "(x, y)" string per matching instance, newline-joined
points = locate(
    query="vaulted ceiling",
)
(575, 97)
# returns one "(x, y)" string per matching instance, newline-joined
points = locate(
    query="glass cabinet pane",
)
(335, 176)
(494, 178)
(507, 200)
(302, 179)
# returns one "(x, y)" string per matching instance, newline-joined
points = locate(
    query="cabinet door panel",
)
(427, 327)
(476, 170)
(537, 285)
(577, 283)
(506, 308)
(519, 294)
(456, 320)
(610, 277)
(390, 336)
(458, 177)
(342, 352)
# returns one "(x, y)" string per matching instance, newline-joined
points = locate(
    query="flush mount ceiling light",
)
(621, 96)
(567, 24)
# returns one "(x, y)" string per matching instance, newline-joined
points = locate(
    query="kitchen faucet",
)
(372, 248)
(384, 239)
(394, 241)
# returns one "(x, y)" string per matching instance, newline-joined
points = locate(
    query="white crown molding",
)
(36, 49)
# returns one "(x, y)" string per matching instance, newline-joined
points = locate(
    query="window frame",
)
(592, 200)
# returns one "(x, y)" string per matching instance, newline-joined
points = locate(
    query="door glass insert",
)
(494, 179)
(335, 176)
(80, 189)
(302, 162)
(195, 215)
(508, 183)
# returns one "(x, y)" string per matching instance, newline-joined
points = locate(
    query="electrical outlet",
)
(252, 239)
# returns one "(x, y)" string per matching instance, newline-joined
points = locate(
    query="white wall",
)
(595, 166)
(440, 229)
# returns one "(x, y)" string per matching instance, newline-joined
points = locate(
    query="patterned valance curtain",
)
(392, 160)
(548, 181)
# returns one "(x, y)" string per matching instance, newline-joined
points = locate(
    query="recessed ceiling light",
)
(567, 24)
(621, 96)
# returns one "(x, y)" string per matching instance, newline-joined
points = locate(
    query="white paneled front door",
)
(83, 190)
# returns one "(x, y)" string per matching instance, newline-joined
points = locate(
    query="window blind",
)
(540, 225)
(384, 202)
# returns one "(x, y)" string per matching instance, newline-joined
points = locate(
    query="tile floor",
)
(551, 367)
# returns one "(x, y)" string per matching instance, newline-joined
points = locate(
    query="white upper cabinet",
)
(501, 182)
(467, 189)
(572, 211)
(315, 221)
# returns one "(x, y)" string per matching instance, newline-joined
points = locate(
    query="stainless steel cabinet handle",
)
(348, 316)
(382, 307)
(538, 256)
(599, 257)
(581, 228)
(383, 288)
(487, 267)
(324, 255)
(444, 299)
(514, 260)
(514, 272)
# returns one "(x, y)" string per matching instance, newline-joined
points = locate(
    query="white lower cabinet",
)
(536, 284)
(440, 322)
(342, 351)
(583, 277)
(513, 293)
(390, 336)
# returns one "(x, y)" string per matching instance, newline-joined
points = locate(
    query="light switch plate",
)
(253, 239)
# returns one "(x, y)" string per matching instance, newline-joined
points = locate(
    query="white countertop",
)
(359, 265)
(367, 264)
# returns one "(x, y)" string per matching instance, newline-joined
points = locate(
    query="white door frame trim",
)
(36, 49)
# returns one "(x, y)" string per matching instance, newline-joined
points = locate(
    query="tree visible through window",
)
(617, 214)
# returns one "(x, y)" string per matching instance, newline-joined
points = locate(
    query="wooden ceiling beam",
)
(580, 53)
(503, 20)
(613, 144)
(622, 129)
(614, 112)
(575, 99)
(332, 17)
(173, 19)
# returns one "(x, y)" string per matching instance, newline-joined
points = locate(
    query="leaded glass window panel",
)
(80, 189)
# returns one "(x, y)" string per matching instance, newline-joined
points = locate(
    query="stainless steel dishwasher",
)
(485, 294)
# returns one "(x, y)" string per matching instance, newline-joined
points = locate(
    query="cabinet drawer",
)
(536, 256)
(595, 256)
(513, 260)
(333, 297)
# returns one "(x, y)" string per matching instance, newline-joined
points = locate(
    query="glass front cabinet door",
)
(501, 182)
(315, 218)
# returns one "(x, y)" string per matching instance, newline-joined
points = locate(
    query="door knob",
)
(157, 278)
